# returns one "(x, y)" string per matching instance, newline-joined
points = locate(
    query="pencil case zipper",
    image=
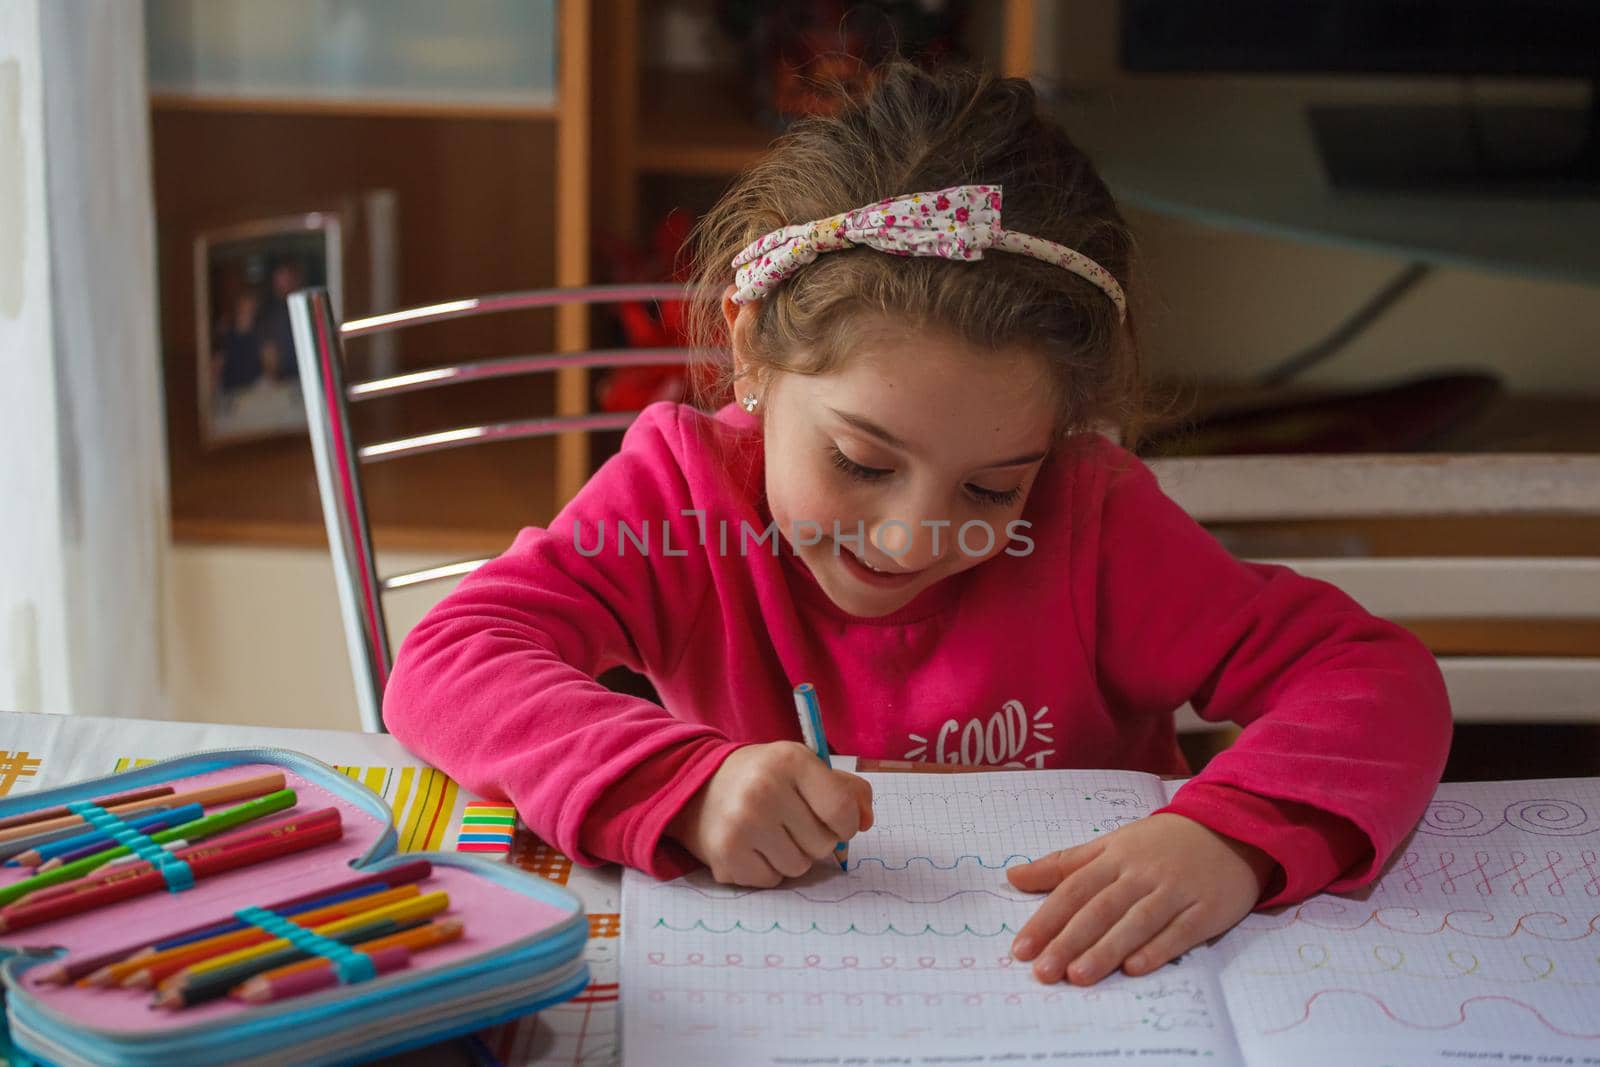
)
(463, 977)
(513, 1002)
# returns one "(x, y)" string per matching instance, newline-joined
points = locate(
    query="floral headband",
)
(954, 223)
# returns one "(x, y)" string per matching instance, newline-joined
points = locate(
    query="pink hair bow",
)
(955, 223)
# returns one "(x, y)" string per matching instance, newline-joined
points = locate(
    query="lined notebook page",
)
(905, 958)
(1481, 943)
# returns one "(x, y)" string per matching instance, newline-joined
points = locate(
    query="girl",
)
(909, 505)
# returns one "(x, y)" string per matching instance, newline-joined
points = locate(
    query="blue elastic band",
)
(177, 873)
(352, 966)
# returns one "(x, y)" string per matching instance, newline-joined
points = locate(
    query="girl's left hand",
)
(1136, 898)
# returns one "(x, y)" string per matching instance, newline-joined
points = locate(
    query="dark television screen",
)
(1550, 38)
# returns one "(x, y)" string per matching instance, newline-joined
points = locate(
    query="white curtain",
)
(83, 488)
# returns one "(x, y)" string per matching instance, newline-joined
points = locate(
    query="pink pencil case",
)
(521, 948)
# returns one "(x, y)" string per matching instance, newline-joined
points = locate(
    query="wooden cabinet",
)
(655, 123)
(499, 178)
(486, 166)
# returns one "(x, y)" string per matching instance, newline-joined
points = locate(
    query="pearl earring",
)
(749, 402)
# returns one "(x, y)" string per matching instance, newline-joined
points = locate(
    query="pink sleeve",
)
(1343, 713)
(495, 686)
(1312, 848)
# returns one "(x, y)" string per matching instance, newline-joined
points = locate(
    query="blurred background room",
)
(1369, 227)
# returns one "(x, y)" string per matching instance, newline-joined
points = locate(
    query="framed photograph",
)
(249, 382)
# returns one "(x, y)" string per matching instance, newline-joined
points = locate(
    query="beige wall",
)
(256, 635)
(1227, 304)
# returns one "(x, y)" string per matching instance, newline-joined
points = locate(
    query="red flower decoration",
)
(961, 214)
(943, 203)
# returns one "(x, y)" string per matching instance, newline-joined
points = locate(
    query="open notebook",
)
(1483, 937)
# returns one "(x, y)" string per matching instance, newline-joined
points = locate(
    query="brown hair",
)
(914, 131)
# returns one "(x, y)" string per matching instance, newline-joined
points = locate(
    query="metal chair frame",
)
(319, 350)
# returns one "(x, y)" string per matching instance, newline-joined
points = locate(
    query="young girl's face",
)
(923, 444)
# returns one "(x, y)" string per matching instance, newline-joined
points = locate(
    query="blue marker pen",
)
(805, 702)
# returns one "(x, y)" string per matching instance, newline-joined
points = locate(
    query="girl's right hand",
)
(770, 812)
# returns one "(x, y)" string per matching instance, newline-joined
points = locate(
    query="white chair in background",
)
(1483, 688)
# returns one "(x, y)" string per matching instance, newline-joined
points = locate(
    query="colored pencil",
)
(79, 845)
(29, 817)
(173, 847)
(11, 850)
(217, 983)
(156, 963)
(221, 979)
(30, 851)
(218, 842)
(363, 934)
(75, 967)
(207, 826)
(320, 974)
(87, 844)
(204, 860)
(369, 885)
(249, 830)
(17, 846)
(423, 907)
(420, 937)
(384, 961)
(208, 853)
(221, 793)
(136, 865)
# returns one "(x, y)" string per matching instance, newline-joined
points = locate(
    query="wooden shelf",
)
(697, 124)
(1507, 637)
(487, 194)
(658, 121)
(353, 106)
(458, 502)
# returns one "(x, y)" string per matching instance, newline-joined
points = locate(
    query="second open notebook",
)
(1482, 937)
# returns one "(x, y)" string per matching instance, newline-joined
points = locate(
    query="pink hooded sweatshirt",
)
(1073, 654)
